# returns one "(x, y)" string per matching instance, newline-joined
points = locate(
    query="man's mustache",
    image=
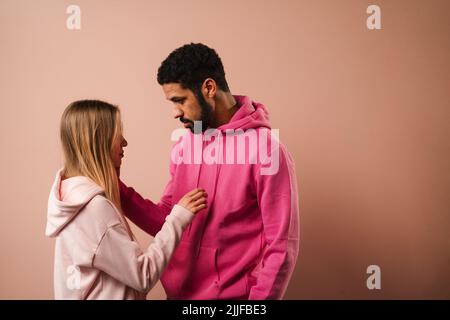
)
(184, 120)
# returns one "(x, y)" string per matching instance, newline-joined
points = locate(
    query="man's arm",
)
(278, 199)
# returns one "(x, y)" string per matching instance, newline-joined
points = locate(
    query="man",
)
(245, 244)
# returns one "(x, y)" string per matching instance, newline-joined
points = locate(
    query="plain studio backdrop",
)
(364, 113)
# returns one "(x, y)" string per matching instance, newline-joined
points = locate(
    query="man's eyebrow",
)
(176, 98)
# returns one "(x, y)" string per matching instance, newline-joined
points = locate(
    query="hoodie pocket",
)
(192, 277)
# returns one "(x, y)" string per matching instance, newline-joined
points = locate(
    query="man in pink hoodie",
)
(245, 244)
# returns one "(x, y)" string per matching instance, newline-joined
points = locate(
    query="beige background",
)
(364, 113)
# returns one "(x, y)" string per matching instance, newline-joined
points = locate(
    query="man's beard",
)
(205, 116)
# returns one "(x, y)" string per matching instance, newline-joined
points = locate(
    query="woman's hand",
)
(194, 200)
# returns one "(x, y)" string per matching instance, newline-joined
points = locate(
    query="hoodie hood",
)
(66, 199)
(250, 115)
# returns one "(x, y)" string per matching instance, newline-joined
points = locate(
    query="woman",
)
(96, 255)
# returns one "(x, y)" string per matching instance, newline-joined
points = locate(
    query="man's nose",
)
(177, 113)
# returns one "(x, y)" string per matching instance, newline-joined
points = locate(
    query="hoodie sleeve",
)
(122, 258)
(147, 215)
(278, 199)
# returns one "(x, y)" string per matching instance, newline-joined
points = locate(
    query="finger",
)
(198, 195)
(194, 191)
(200, 207)
(199, 202)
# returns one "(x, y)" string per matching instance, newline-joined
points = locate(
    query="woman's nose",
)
(124, 143)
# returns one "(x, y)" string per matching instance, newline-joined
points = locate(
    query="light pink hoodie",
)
(95, 257)
(245, 245)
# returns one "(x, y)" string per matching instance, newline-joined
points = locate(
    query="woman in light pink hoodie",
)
(96, 254)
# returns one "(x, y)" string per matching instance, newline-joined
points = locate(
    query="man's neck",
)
(226, 107)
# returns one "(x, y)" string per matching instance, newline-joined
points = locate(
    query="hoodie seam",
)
(95, 251)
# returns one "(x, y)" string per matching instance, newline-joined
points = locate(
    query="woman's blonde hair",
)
(88, 131)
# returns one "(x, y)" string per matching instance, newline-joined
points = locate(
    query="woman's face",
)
(117, 151)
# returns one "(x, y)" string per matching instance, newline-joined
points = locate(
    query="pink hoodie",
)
(94, 256)
(245, 244)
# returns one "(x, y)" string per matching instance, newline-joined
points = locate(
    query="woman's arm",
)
(122, 258)
(147, 215)
(144, 213)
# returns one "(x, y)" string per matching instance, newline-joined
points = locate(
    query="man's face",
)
(187, 107)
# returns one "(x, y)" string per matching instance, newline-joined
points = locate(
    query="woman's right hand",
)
(194, 200)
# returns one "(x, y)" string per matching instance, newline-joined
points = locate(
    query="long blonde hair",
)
(88, 131)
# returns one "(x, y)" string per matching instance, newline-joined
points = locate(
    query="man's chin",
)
(195, 127)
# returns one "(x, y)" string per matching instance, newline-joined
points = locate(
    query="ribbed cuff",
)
(181, 214)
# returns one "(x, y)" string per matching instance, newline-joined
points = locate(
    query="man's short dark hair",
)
(190, 65)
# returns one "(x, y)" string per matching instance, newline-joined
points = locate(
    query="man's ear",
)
(209, 88)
